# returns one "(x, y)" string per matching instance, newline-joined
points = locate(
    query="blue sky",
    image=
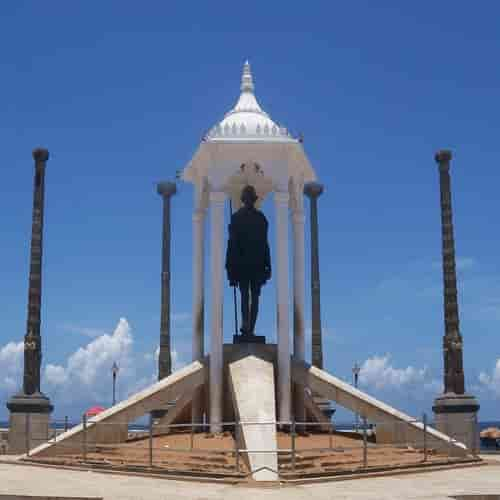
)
(121, 93)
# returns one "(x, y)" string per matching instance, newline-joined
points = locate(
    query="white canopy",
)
(247, 147)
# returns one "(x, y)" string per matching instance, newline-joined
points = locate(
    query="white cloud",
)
(492, 382)
(87, 363)
(89, 366)
(378, 372)
(433, 386)
(82, 330)
(177, 362)
(85, 378)
(11, 366)
(55, 375)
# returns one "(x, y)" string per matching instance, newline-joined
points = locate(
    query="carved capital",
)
(166, 189)
(313, 189)
(443, 158)
(40, 155)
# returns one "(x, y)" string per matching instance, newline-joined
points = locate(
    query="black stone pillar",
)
(166, 190)
(32, 340)
(452, 340)
(455, 411)
(31, 400)
(313, 190)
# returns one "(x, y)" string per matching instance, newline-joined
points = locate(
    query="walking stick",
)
(234, 287)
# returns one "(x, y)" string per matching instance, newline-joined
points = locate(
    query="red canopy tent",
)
(95, 410)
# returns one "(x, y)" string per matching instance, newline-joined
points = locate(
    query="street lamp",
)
(355, 373)
(114, 371)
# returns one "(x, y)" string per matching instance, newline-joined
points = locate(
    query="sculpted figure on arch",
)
(248, 260)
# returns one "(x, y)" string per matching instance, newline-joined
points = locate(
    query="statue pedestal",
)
(456, 416)
(29, 421)
(249, 339)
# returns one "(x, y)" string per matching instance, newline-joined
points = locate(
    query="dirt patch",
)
(215, 454)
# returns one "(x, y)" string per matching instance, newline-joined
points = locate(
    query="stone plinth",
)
(456, 416)
(249, 339)
(28, 422)
(38, 425)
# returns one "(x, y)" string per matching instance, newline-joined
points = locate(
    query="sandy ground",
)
(319, 453)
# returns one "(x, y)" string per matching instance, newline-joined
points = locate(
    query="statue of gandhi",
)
(248, 261)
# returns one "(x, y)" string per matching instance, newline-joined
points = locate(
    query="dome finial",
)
(246, 79)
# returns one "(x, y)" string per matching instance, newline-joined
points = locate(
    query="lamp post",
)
(355, 373)
(114, 371)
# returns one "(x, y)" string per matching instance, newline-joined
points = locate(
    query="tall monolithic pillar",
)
(217, 200)
(455, 411)
(281, 200)
(198, 304)
(299, 342)
(313, 191)
(30, 409)
(166, 190)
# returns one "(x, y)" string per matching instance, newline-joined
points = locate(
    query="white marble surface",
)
(253, 392)
(216, 308)
(281, 200)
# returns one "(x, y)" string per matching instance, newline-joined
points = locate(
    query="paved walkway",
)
(439, 485)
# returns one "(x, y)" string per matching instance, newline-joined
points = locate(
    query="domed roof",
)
(247, 119)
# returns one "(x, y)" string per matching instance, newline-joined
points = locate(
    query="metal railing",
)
(301, 446)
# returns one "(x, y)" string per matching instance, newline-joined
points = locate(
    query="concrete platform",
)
(438, 485)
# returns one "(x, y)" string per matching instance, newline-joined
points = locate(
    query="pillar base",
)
(456, 416)
(28, 413)
(249, 339)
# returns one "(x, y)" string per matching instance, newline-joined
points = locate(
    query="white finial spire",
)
(246, 79)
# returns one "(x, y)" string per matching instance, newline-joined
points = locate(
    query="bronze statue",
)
(248, 260)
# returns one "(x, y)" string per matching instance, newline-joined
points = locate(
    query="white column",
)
(283, 302)
(198, 302)
(299, 343)
(216, 321)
